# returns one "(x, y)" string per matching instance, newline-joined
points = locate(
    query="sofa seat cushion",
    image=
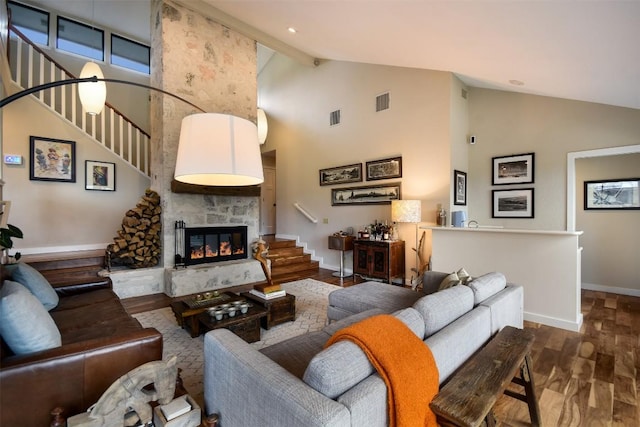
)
(84, 299)
(90, 316)
(107, 328)
(33, 280)
(486, 286)
(25, 325)
(368, 295)
(443, 307)
(342, 365)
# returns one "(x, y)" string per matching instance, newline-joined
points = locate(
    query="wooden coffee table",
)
(246, 326)
(186, 309)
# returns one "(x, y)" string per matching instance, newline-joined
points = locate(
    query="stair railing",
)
(31, 66)
(306, 213)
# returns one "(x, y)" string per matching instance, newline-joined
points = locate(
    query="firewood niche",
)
(138, 242)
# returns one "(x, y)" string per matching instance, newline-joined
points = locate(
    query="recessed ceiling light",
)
(516, 82)
(292, 30)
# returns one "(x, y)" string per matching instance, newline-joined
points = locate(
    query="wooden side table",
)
(341, 243)
(379, 259)
(467, 399)
(279, 310)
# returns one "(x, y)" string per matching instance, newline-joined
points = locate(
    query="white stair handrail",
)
(306, 213)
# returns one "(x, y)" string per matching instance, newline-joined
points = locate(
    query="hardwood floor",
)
(586, 378)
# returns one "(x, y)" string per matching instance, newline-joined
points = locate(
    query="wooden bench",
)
(469, 396)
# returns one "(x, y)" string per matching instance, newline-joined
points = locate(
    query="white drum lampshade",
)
(93, 95)
(406, 211)
(218, 150)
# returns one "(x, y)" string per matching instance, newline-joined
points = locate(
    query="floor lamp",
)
(409, 211)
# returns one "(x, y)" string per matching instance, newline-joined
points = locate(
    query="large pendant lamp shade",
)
(93, 94)
(218, 150)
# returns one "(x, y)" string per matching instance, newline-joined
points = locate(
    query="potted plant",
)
(6, 242)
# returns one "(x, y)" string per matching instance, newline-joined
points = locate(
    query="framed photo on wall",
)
(513, 203)
(460, 188)
(52, 159)
(100, 176)
(384, 169)
(612, 194)
(516, 169)
(341, 174)
(365, 195)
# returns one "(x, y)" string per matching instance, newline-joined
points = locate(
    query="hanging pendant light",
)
(94, 94)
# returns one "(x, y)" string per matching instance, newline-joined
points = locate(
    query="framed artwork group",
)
(375, 170)
(511, 170)
(55, 160)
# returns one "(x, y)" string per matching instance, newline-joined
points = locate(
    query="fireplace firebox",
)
(214, 244)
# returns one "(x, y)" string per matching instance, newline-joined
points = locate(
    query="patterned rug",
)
(311, 314)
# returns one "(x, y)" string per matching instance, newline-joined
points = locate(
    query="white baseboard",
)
(611, 289)
(552, 321)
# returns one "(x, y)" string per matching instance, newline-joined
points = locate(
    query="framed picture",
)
(384, 169)
(516, 169)
(341, 174)
(460, 185)
(612, 194)
(513, 203)
(365, 195)
(100, 176)
(52, 159)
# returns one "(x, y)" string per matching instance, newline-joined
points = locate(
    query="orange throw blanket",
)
(404, 362)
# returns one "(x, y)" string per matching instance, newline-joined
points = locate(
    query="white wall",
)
(62, 216)
(298, 100)
(611, 238)
(509, 123)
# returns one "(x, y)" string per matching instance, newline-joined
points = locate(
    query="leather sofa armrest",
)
(78, 286)
(73, 376)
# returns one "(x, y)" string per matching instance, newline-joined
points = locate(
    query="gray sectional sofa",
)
(298, 383)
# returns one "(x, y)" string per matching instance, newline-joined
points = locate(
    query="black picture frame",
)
(99, 176)
(459, 188)
(384, 169)
(52, 159)
(515, 203)
(513, 169)
(341, 174)
(366, 195)
(612, 194)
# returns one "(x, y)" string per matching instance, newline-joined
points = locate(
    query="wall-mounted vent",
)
(334, 118)
(464, 93)
(382, 102)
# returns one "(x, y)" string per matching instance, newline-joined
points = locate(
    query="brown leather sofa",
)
(100, 343)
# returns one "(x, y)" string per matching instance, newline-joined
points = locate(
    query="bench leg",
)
(529, 388)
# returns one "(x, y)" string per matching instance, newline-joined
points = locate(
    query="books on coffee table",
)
(268, 295)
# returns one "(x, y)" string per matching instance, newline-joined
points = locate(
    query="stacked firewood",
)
(138, 244)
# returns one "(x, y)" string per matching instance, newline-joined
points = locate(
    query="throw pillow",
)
(36, 283)
(450, 281)
(25, 325)
(485, 286)
(464, 276)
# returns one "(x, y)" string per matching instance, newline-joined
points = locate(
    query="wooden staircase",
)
(61, 268)
(288, 261)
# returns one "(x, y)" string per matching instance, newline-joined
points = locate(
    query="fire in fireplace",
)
(214, 244)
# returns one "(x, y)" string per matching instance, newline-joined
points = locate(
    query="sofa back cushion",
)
(342, 365)
(33, 280)
(443, 307)
(25, 325)
(486, 286)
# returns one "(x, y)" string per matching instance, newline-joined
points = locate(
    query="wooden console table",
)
(467, 399)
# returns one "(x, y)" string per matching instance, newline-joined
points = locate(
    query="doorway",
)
(268, 195)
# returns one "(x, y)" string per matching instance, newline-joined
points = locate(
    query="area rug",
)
(311, 314)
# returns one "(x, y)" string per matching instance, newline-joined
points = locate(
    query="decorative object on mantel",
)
(126, 401)
(138, 243)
